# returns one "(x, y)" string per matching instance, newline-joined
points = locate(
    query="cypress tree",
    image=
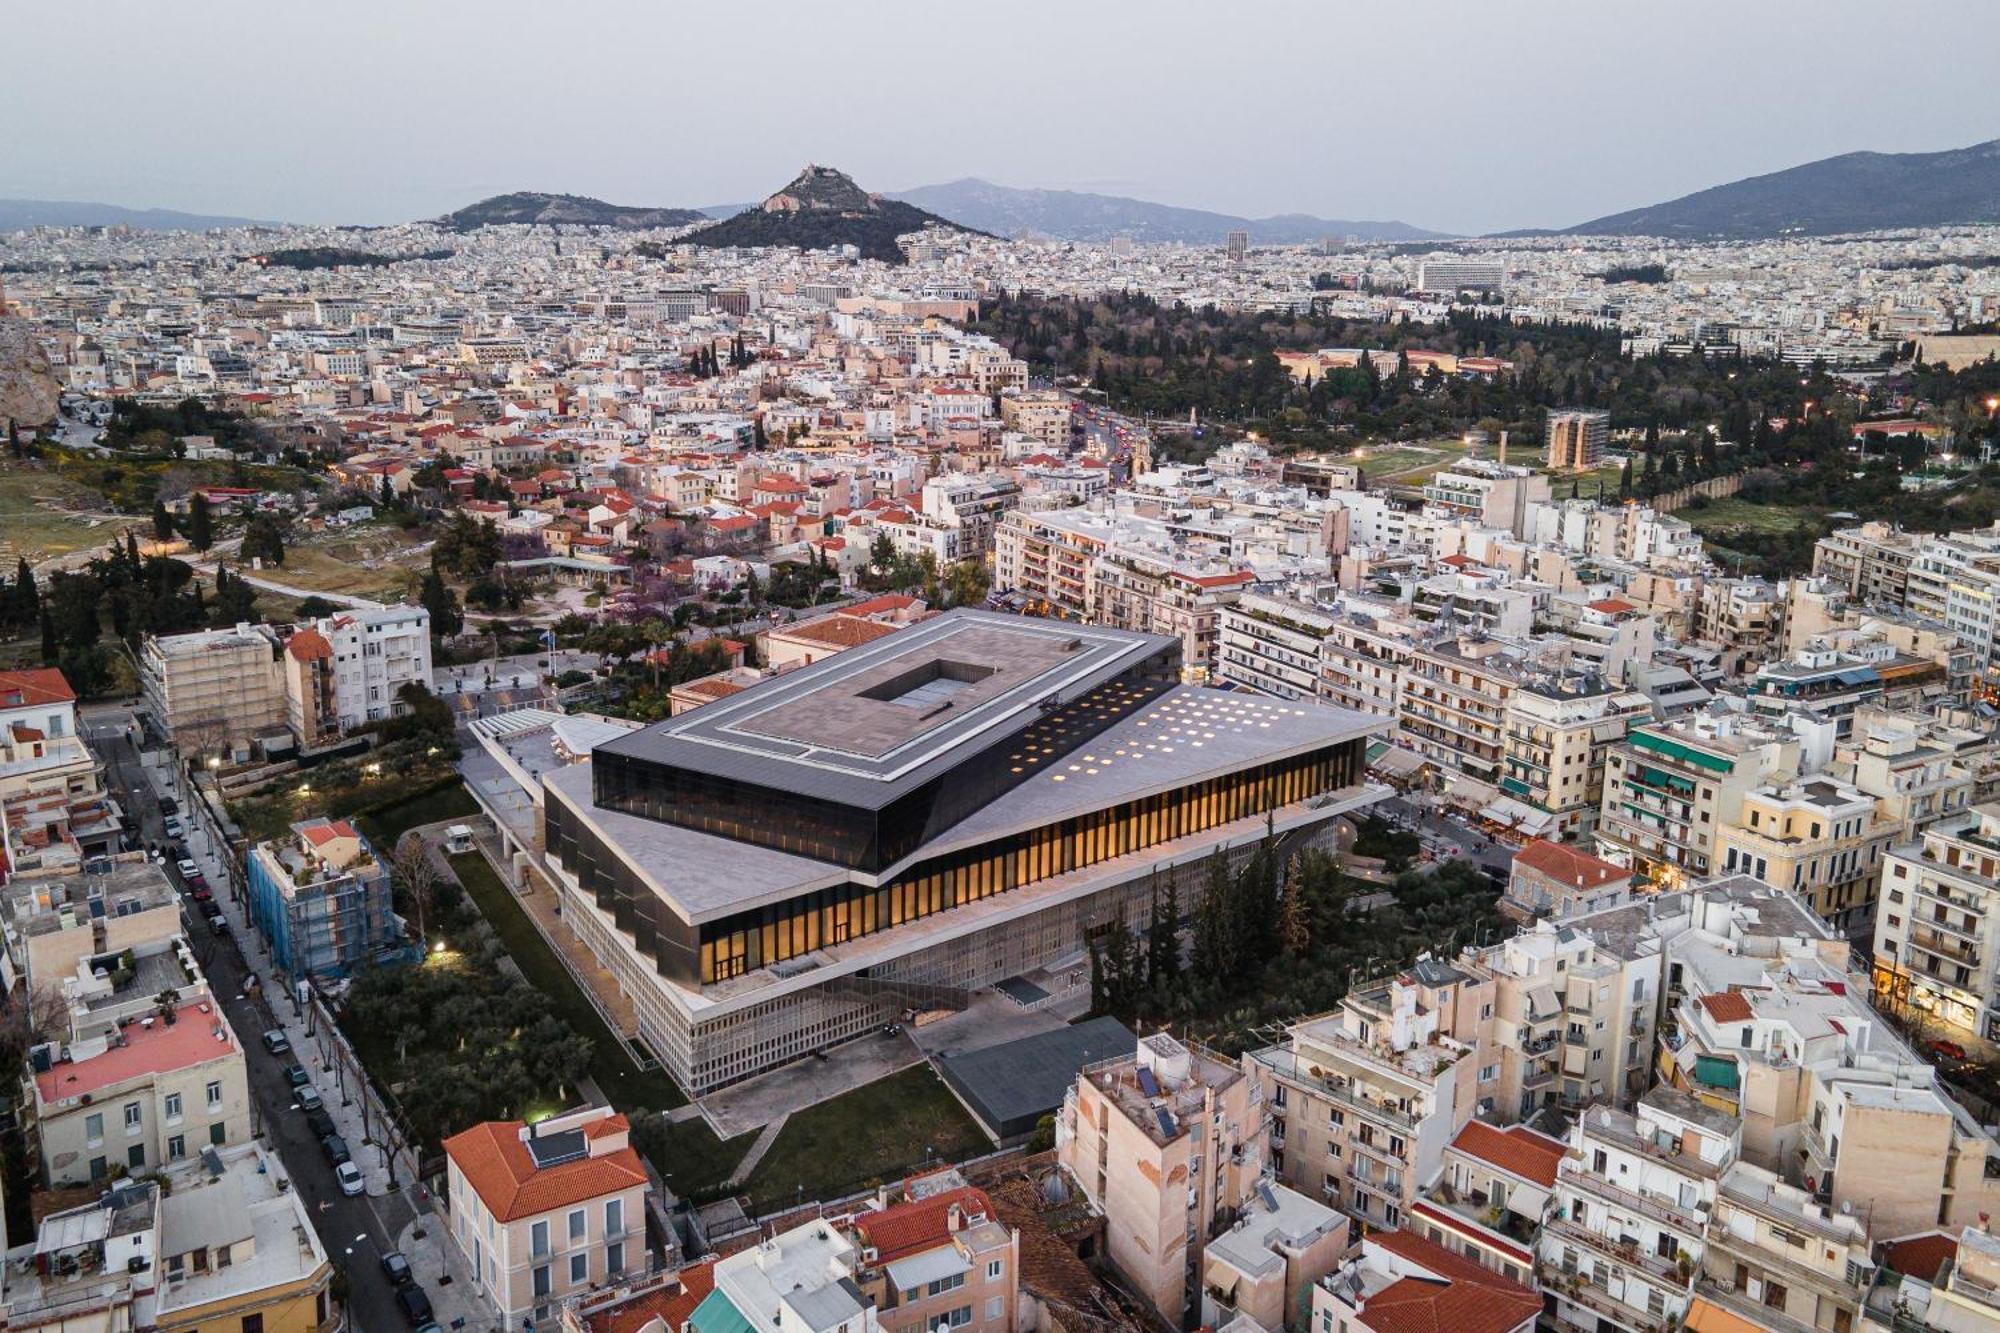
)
(201, 525)
(1294, 917)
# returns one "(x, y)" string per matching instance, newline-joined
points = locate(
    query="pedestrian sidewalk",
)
(438, 1266)
(311, 1050)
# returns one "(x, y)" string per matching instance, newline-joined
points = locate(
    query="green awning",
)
(1712, 1071)
(1687, 754)
(718, 1314)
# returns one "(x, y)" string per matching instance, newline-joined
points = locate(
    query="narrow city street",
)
(1444, 836)
(356, 1231)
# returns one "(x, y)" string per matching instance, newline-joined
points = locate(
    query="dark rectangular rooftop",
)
(867, 725)
(1011, 1086)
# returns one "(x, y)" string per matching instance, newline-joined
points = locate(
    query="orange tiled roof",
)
(41, 685)
(1517, 1150)
(496, 1164)
(1466, 1299)
(321, 834)
(840, 631)
(671, 1305)
(1920, 1257)
(308, 645)
(912, 1228)
(1727, 1006)
(1569, 864)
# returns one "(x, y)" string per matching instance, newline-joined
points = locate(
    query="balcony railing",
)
(1665, 1270)
(1671, 1214)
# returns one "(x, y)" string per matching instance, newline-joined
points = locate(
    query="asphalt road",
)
(355, 1231)
(1441, 834)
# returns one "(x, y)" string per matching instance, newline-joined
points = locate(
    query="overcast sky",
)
(1464, 118)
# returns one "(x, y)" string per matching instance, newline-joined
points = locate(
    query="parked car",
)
(297, 1076)
(416, 1306)
(1948, 1050)
(320, 1122)
(349, 1176)
(397, 1269)
(309, 1098)
(174, 828)
(335, 1148)
(276, 1042)
(169, 806)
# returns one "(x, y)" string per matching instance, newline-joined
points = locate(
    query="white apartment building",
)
(1937, 927)
(1365, 1100)
(1272, 645)
(375, 653)
(1632, 1202)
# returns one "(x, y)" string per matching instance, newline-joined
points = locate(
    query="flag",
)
(549, 637)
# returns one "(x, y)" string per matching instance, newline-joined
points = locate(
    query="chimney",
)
(954, 1220)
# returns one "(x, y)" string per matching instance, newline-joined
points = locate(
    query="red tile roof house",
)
(943, 1260)
(544, 1212)
(1491, 1196)
(1403, 1283)
(1555, 880)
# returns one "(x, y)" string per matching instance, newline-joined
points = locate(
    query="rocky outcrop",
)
(29, 389)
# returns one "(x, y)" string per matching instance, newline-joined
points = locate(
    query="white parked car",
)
(349, 1176)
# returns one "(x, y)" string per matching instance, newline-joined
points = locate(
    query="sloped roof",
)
(495, 1162)
(1463, 1298)
(671, 1305)
(912, 1228)
(1727, 1007)
(40, 685)
(309, 645)
(1517, 1150)
(1569, 864)
(1920, 1256)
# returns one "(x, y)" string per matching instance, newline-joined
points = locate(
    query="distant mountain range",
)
(1852, 192)
(1070, 215)
(823, 208)
(19, 214)
(575, 210)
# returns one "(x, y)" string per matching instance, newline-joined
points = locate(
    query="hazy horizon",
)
(1464, 121)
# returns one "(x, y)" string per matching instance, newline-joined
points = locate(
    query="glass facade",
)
(859, 837)
(780, 931)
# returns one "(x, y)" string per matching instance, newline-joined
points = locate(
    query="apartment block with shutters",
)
(1364, 1100)
(1625, 1236)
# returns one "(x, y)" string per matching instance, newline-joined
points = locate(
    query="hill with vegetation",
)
(820, 210)
(532, 208)
(1849, 193)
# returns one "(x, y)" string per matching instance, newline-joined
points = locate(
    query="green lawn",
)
(872, 1134)
(34, 523)
(628, 1087)
(694, 1163)
(1381, 460)
(384, 827)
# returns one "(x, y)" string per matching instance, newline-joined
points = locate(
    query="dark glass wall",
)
(865, 839)
(779, 931)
